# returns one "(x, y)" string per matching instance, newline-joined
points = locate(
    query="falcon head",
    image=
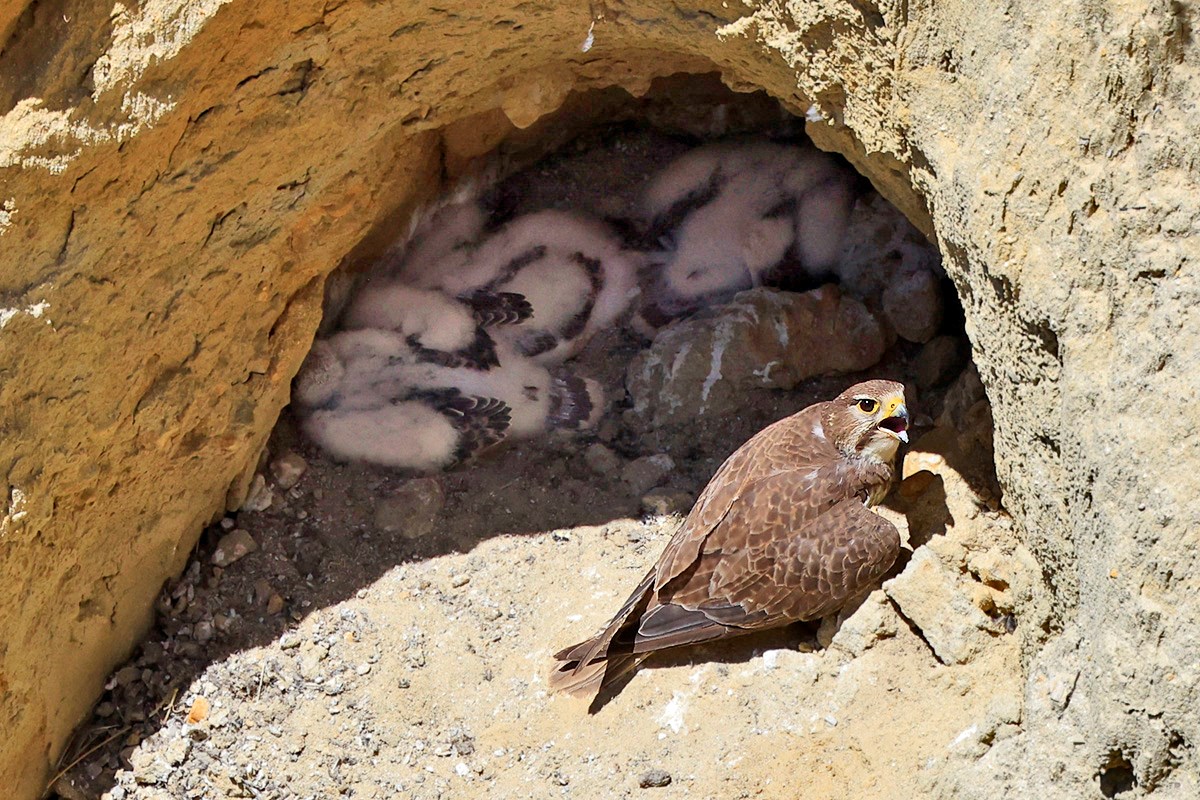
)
(869, 420)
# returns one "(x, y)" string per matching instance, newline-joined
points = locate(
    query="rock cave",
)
(198, 602)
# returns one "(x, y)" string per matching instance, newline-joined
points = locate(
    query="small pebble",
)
(203, 631)
(259, 497)
(125, 676)
(178, 750)
(233, 546)
(654, 779)
(199, 711)
(458, 581)
(644, 473)
(412, 509)
(288, 469)
(262, 591)
(602, 460)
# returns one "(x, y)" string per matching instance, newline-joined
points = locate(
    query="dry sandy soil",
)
(369, 634)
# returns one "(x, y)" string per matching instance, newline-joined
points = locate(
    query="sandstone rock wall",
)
(177, 178)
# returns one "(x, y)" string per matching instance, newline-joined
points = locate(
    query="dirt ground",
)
(369, 634)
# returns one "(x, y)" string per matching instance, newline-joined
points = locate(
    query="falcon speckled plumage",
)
(782, 533)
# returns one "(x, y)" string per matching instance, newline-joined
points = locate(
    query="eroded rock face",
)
(179, 177)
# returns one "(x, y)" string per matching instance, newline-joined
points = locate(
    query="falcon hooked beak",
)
(895, 417)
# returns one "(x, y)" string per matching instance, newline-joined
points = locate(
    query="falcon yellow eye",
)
(866, 405)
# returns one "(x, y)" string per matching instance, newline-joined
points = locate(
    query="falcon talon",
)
(783, 533)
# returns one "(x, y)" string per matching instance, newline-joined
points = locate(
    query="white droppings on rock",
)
(721, 340)
(673, 713)
(36, 311)
(717, 354)
(963, 736)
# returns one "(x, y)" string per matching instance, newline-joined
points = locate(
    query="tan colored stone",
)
(761, 339)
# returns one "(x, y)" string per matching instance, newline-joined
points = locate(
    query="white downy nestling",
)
(733, 212)
(352, 412)
(430, 319)
(570, 267)
(371, 395)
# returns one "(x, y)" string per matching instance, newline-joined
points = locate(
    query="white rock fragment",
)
(259, 497)
(288, 469)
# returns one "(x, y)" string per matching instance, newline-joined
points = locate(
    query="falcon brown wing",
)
(787, 446)
(783, 573)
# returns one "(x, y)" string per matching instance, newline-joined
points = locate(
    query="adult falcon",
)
(782, 533)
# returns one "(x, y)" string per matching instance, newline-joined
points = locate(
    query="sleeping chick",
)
(454, 328)
(423, 432)
(363, 394)
(353, 412)
(734, 213)
(570, 267)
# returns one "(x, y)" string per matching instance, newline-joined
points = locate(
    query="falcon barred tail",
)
(782, 533)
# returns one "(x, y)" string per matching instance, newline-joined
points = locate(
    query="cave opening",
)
(678, 396)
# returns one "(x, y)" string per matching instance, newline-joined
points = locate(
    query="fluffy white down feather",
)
(554, 284)
(378, 367)
(519, 382)
(437, 320)
(881, 243)
(757, 201)
(409, 435)
(822, 216)
(438, 236)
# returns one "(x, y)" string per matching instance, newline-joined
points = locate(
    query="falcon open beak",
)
(895, 419)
